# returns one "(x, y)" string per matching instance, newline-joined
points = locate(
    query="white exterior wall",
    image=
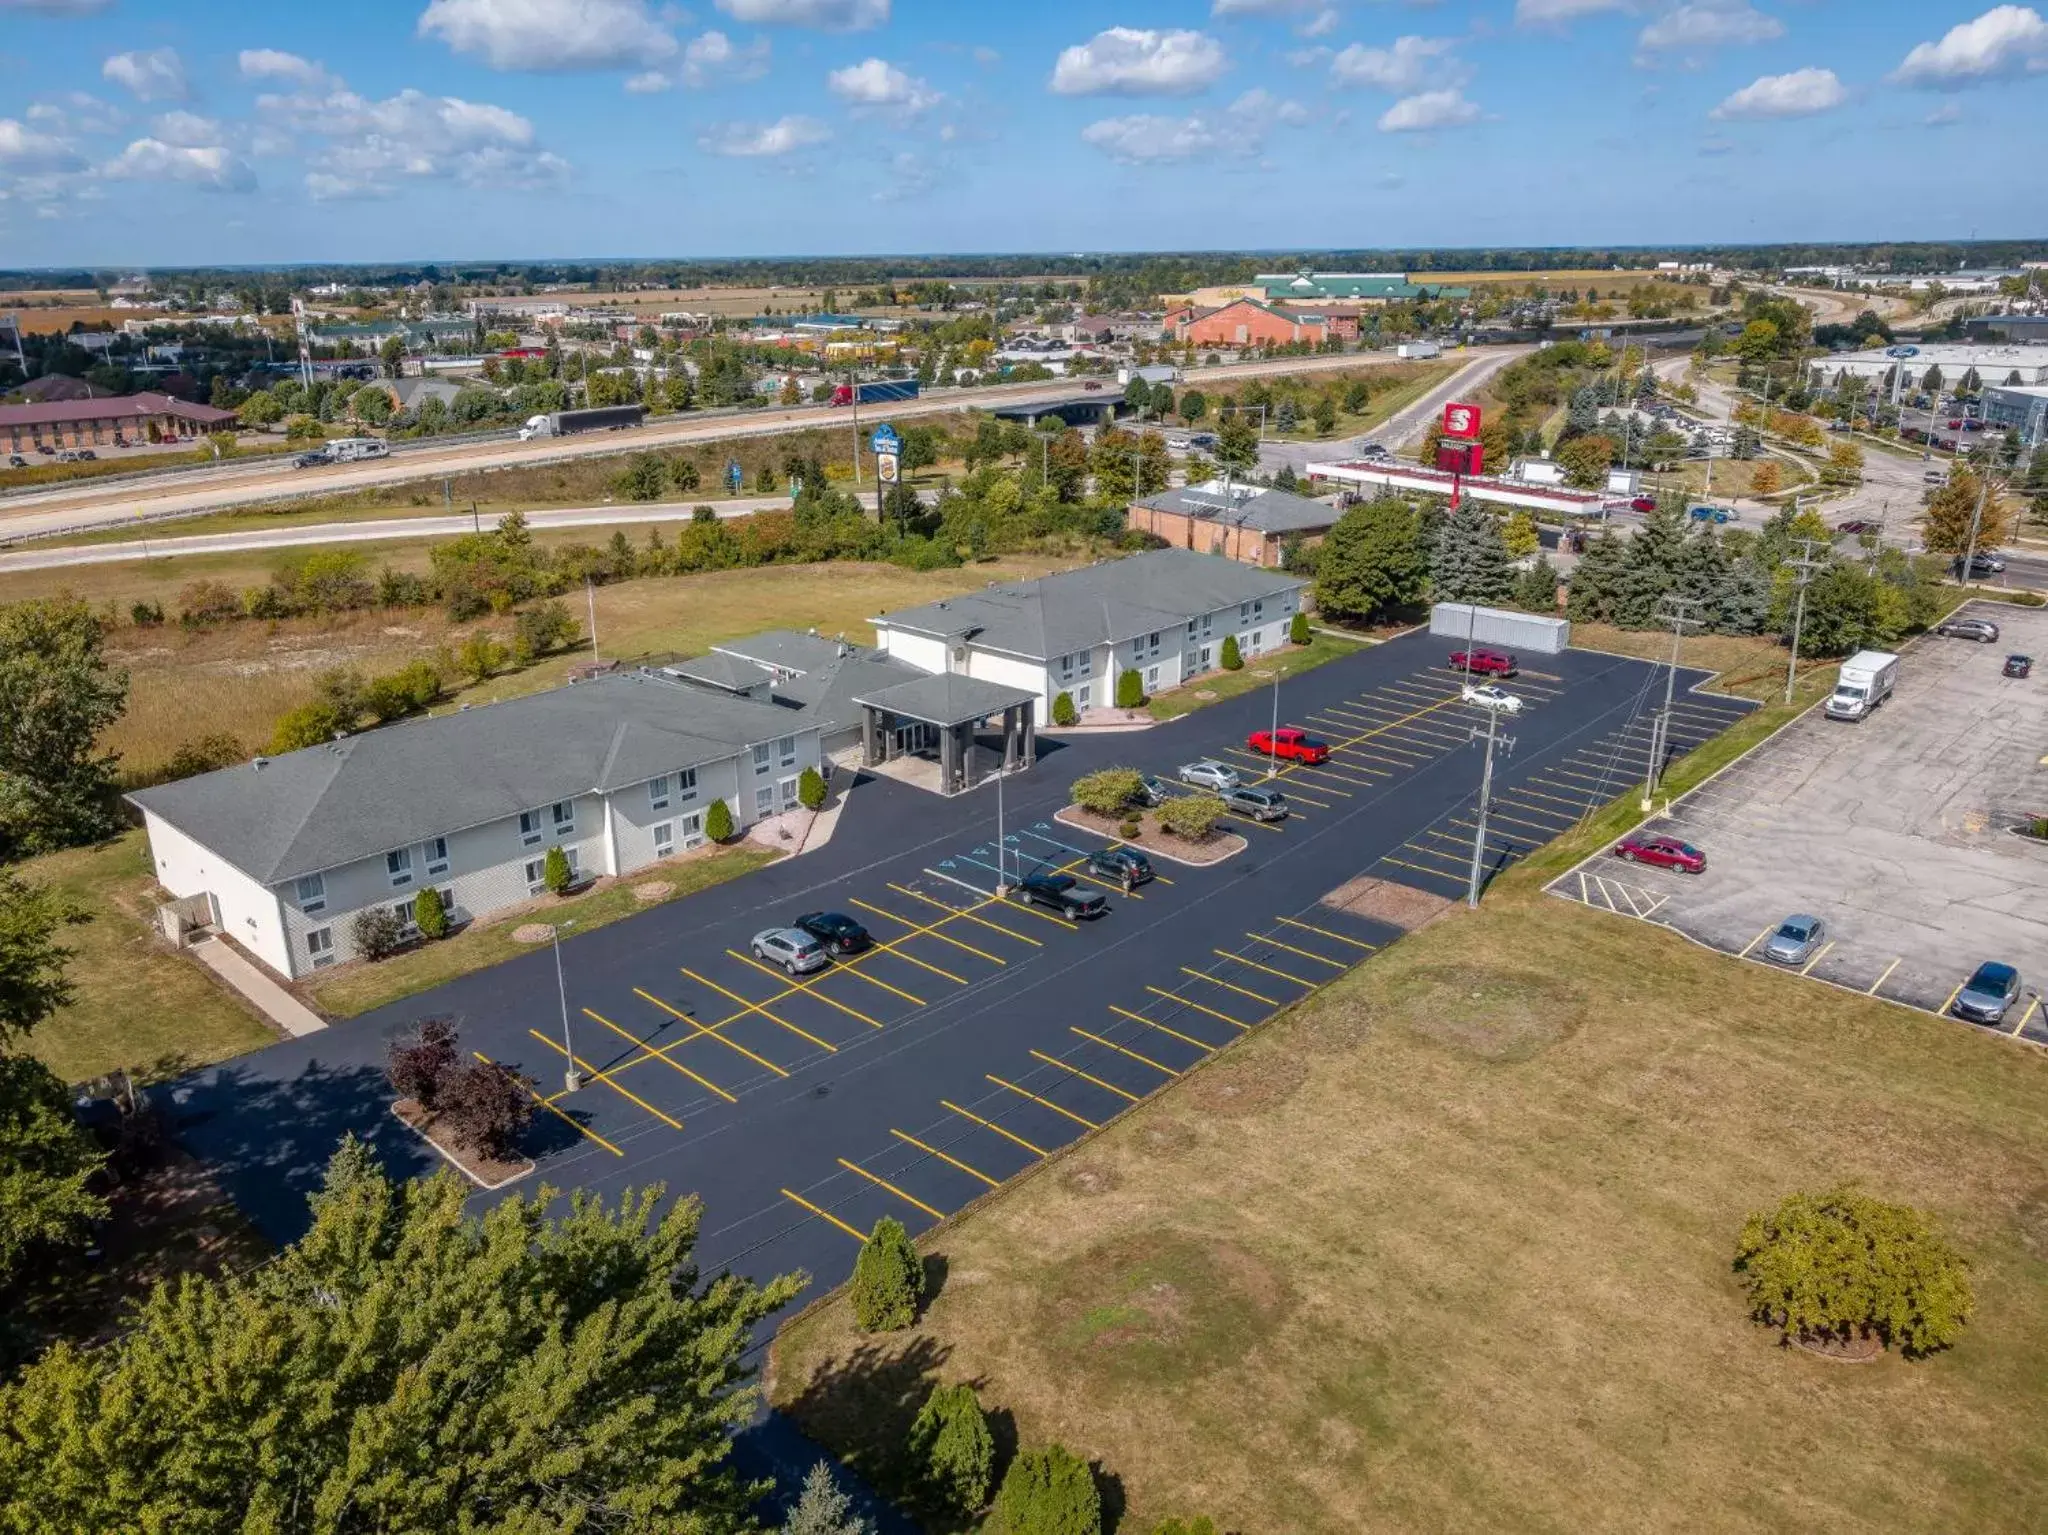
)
(1014, 672)
(923, 651)
(244, 909)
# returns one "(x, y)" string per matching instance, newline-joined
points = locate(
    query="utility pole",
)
(590, 593)
(1806, 565)
(1969, 571)
(1679, 612)
(1494, 740)
(572, 1077)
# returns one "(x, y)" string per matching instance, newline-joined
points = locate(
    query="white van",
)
(347, 449)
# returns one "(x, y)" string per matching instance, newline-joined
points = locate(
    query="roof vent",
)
(259, 763)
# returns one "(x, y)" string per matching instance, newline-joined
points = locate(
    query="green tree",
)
(1841, 611)
(260, 409)
(718, 821)
(32, 956)
(47, 1164)
(1519, 536)
(371, 405)
(951, 1450)
(310, 724)
(823, 1509)
(1191, 817)
(1047, 1491)
(1286, 417)
(1194, 406)
(375, 933)
(1298, 630)
(1130, 689)
(410, 1366)
(1064, 714)
(540, 630)
(1108, 791)
(888, 1279)
(482, 656)
(1536, 588)
(430, 914)
(1586, 460)
(1324, 416)
(57, 695)
(1370, 564)
(1840, 1266)
(1470, 562)
(1237, 442)
(644, 478)
(810, 789)
(555, 872)
(1232, 658)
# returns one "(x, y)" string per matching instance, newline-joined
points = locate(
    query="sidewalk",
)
(257, 989)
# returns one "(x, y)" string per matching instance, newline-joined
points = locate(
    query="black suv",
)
(1123, 865)
(1061, 893)
(839, 934)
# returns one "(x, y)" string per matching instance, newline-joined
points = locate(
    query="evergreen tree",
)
(952, 1451)
(823, 1509)
(1369, 565)
(1286, 418)
(1471, 562)
(1047, 1492)
(1649, 568)
(57, 695)
(1596, 580)
(1536, 588)
(1700, 570)
(47, 1165)
(888, 1279)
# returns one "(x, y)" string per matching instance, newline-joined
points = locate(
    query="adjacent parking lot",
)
(978, 1036)
(1897, 832)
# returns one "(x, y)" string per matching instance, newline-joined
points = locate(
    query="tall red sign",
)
(1461, 421)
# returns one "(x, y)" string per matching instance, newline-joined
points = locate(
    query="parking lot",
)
(978, 1036)
(1897, 832)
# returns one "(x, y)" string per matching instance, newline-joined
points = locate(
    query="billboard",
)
(1461, 421)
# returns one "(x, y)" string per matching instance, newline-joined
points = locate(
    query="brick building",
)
(1246, 523)
(1246, 322)
(125, 420)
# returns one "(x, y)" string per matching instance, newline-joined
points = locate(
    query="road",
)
(85, 505)
(1405, 426)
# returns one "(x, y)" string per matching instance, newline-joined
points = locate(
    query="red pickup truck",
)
(1486, 663)
(1294, 745)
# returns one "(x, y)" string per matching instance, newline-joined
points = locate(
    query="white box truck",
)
(1865, 681)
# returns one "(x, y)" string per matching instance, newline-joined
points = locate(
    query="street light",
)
(572, 1077)
(1272, 675)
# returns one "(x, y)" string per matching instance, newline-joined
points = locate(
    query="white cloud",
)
(911, 175)
(1430, 109)
(1708, 24)
(24, 151)
(211, 166)
(76, 112)
(1802, 93)
(1322, 24)
(186, 130)
(986, 56)
(275, 64)
(156, 75)
(551, 35)
(878, 83)
(824, 15)
(1139, 61)
(2005, 41)
(1260, 7)
(1557, 13)
(1261, 107)
(1947, 115)
(1147, 139)
(56, 7)
(754, 141)
(1410, 64)
(708, 59)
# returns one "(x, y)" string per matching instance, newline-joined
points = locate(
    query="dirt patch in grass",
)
(1382, 900)
(1497, 1013)
(1246, 1083)
(1165, 1137)
(1090, 1180)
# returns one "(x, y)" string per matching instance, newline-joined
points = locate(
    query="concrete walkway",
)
(257, 988)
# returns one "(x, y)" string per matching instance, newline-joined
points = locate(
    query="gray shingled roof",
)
(721, 671)
(830, 696)
(326, 806)
(785, 648)
(1265, 511)
(947, 698)
(1098, 604)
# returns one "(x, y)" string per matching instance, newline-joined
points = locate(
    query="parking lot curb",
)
(1149, 849)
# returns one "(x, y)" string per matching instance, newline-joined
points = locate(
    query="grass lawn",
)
(357, 989)
(1218, 686)
(1409, 384)
(137, 1004)
(1448, 1248)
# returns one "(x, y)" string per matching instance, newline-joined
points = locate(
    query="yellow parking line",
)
(852, 967)
(1017, 904)
(2020, 1027)
(957, 914)
(1334, 964)
(1402, 863)
(1888, 969)
(1253, 821)
(1037, 1151)
(824, 1215)
(1174, 996)
(1456, 860)
(1108, 1087)
(972, 1172)
(1823, 954)
(1202, 975)
(1760, 937)
(1188, 1039)
(1356, 943)
(762, 1009)
(717, 1034)
(1120, 1050)
(1268, 969)
(605, 1077)
(884, 1183)
(1044, 1104)
(808, 988)
(926, 930)
(660, 1052)
(1951, 1002)
(580, 1128)
(1327, 768)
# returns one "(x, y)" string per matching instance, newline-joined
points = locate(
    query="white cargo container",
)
(1418, 349)
(1151, 373)
(1499, 629)
(1865, 681)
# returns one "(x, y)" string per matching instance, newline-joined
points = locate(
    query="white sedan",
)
(1487, 696)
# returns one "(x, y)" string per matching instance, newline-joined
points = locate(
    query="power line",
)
(1806, 565)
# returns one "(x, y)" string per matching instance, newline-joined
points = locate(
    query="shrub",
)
(408, 690)
(376, 933)
(400, 589)
(1191, 817)
(1838, 1266)
(810, 789)
(1063, 711)
(480, 657)
(208, 754)
(1129, 829)
(1130, 690)
(1201, 1524)
(718, 821)
(308, 725)
(1297, 630)
(643, 479)
(487, 1106)
(1047, 1492)
(888, 1279)
(418, 1064)
(430, 914)
(146, 615)
(205, 603)
(555, 872)
(541, 629)
(1233, 658)
(952, 1451)
(1107, 792)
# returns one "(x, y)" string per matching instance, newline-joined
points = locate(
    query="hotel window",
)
(761, 758)
(320, 946)
(664, 838)
(657, 793)
(564, 812)
(764, 801)
(536, 875)
(786, 750)
(398, 864)
(529, 828)
(693, 830)
(313, 894)
(436, 849)
(686, 785)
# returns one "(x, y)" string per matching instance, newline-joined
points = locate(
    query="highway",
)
(85, 506)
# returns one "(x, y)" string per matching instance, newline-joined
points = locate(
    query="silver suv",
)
(797, 952)
(1259, 804)
(1982, 630)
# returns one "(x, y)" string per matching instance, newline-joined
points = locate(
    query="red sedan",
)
(1486, 663)
(1663, 852)
(1643, 504)
(1294, 745)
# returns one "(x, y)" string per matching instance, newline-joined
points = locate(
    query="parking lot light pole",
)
(1493, 739)
(572, 1076)
(1274, 675)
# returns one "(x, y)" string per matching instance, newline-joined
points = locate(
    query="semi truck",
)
(875, 391)
(1865, 681)
(567, 423)
(1418, 349)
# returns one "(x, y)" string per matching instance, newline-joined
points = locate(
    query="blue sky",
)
(148, 132)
